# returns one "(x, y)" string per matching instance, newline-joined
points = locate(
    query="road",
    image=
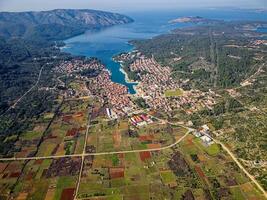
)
(171, 123)
(96, 154)
(252, 178)
(84, 154)
(28, 91)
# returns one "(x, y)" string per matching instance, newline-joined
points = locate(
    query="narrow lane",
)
(27, 92)
(83, 154)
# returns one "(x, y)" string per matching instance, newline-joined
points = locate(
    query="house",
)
(207, 140)
(205, 128)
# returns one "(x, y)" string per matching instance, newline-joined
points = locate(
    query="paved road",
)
(84, 154)
(96, 154)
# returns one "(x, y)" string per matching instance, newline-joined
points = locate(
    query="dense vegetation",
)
(131, 75)
(29, 47)
(20, 65)
(141, 103)
(56, 24)
(221, 57)
(210, 56)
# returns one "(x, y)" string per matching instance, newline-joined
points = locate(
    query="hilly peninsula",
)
(56, 24)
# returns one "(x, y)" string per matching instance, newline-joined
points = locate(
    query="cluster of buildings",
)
(81, 70)
(124, 57)
(114, 94)
(111, 114)
(78, 65)
(259, 42)
(156, 80)
(233, 93)
(204, 134)
(98, 83)
(140, 120)
(195, 100)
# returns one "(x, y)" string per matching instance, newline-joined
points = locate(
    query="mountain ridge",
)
(56, 24)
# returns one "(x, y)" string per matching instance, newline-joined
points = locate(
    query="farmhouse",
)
(207, 140)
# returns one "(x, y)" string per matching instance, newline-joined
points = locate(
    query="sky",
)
(126, 5)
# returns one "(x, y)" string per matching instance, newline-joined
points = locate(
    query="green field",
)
(174, 93)
(30, 135)
(167, 177)
(62, 183)
(213, 149)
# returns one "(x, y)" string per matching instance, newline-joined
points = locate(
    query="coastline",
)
(136, 91)
(127, 80)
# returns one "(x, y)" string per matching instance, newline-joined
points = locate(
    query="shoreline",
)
(136, 91)
(127, 80)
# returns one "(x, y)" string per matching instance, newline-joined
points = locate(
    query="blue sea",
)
(106, 43)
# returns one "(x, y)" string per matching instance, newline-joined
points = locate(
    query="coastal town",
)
(156, 86)
(113, 94)
(178, 116)
(75, 66)
(156, 82)
(97, 82)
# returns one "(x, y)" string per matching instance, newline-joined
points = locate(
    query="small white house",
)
(205, 127)
(207, 140)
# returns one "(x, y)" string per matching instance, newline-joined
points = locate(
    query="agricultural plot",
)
(189, 170)
(114, 135)
(26, 143)
(186, 171)
(9, 174)
(51, 179)
(67, 132)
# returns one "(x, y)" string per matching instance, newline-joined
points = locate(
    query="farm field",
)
(166, 105)
(51, 179)
(26, 143)
(67, 131)
(188, 170)
(121, 135)
(191, 169)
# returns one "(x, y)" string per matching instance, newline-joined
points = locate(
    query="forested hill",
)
(56, 24)
(27, 42)
(219, 55)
